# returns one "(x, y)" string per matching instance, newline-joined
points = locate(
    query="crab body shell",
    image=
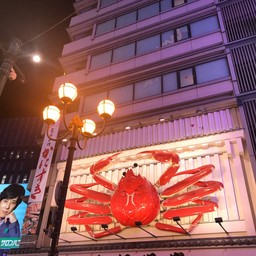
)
(135, 199)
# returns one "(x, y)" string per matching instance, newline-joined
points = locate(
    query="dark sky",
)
(26, 19)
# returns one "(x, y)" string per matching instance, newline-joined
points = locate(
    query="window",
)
(4, 155)
(3, 179)
(149, 44)
(178, 2)
(10, 178)
(32, 153)
(17, 178)
(11, 155)
(212, 70)
(25, 153)
(126, 19)
(147, 88)
(186, 77)
(105, 3)
(204, 26)
(101, 60)
(167, 38)
(105, 27)
(165, 5)
(91, 102)
(18, 155)
(170, 82)
(148, 11)
(25, 179)
(182, 33)
(161, 84)
(122, 94)
(124, 52)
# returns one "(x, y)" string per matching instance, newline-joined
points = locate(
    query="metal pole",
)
(9, 61)
(63, 193)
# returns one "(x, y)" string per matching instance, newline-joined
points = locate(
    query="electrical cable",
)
(54, 26)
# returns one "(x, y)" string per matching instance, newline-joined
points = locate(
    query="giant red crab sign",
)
(136, 200)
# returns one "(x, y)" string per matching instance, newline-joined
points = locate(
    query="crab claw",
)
(163, 156)
(100, 166)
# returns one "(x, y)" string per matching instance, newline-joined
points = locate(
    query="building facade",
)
(182, 76)
(19, 149)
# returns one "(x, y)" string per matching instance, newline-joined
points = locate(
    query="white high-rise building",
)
(182, 76)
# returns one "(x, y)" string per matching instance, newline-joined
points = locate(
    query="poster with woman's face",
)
(12, 212)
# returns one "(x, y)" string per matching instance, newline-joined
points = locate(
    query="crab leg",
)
(208, 206)
(82, 219)
(79, 204)
(108, 232)
(199, 173)
(199, 210)
(82, 189)
(167, 227)
(193, 195)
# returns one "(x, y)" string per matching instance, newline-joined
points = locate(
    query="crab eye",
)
(135, 165)
(124, 174)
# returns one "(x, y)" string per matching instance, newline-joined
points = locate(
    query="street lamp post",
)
(76, 128)
(9, 61)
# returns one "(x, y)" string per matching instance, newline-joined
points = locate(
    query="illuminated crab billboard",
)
(134, 200)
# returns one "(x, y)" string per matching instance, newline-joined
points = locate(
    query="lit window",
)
(11, 154)
(3, 179)
(31, 154)
(18, 155)
(25, 179)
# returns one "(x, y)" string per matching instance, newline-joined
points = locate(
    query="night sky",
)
(26, 19)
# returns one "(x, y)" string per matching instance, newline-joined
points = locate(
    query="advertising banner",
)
(39, 183)
(12, 212)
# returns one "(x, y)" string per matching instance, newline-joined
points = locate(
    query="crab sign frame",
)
(135, 199)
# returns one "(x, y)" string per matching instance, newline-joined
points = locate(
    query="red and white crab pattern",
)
(136, 200)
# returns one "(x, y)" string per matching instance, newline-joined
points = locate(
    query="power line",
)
(55, 25)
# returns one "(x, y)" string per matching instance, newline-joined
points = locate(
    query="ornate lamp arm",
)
(64, 117)
(57, 139)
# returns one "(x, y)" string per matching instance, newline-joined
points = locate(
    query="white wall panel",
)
(179, 129)
(232, 200)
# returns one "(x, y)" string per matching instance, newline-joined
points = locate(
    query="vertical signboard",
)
(39, 183)
(12, 212)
